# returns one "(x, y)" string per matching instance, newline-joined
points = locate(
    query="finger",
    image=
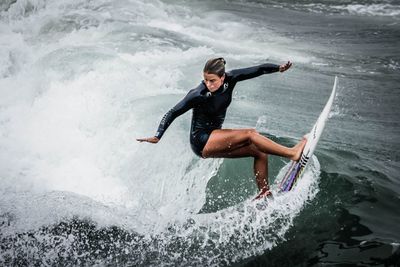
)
(288, 65)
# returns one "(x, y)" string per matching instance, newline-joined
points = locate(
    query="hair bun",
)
(215, 66)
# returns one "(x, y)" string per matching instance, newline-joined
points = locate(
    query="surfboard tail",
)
(290, 177)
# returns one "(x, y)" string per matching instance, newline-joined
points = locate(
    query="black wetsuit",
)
(209, 109)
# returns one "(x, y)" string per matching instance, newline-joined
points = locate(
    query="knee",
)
(257, 154)
(262, 156)
(251, 133)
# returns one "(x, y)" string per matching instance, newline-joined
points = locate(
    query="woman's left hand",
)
(285, 67)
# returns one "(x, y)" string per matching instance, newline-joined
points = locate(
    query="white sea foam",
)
(373, 9)
(393, 65)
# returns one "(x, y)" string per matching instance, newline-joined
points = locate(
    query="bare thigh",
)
(228, 143)
(241, 152)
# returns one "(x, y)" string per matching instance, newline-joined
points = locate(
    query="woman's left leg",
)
(260, 166)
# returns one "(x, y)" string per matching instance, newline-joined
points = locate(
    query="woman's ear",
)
(223, 78)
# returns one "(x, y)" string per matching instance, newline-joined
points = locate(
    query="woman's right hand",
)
(153, 140)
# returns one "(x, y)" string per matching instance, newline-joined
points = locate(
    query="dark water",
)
(80, 80)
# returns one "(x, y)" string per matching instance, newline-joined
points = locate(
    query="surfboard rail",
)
(296, 168)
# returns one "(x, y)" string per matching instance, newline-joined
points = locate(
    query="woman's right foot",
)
(298, 149)
(264, 192)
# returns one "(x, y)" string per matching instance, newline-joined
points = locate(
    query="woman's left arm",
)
(252, 72)
(285, 67)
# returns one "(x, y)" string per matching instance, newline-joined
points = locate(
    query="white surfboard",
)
(296, 168)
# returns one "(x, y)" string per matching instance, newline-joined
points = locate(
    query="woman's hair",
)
(215, 66)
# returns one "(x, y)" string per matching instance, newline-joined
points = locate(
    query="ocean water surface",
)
(81, 80)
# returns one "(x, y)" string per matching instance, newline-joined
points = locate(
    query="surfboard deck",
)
(296, 168)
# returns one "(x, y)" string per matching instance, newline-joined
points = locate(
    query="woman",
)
(209, 102)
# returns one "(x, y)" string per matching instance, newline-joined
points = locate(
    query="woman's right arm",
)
(152, 139)
(184, 105)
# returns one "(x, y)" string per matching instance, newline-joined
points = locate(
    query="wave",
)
(222, 237)
(387, 10)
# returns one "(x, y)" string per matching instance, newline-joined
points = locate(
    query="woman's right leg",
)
(248, 143)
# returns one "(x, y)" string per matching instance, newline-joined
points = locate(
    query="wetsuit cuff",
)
(277, 68)
(270, 68)
(158, 135)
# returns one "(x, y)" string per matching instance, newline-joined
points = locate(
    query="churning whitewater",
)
(81, 80)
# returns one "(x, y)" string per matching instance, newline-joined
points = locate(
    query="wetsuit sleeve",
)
(252, 72)
(184, 105)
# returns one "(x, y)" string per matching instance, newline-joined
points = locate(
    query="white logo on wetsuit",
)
(209, 94)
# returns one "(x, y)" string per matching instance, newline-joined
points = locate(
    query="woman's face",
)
(213, 81)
